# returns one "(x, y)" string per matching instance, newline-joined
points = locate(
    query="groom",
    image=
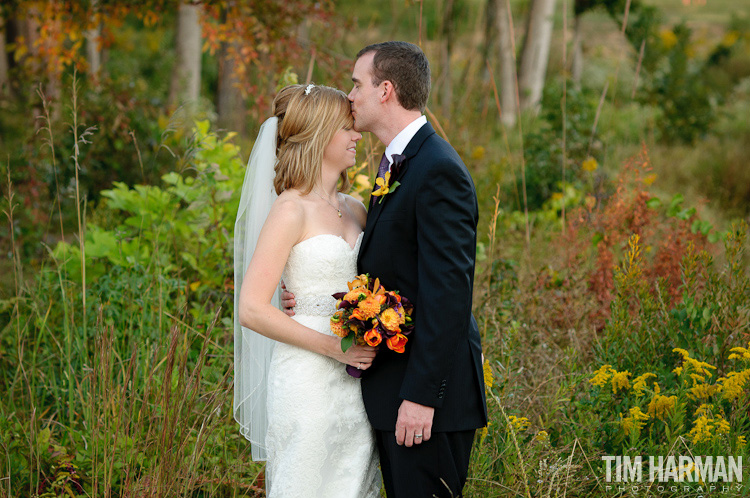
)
(420, 239)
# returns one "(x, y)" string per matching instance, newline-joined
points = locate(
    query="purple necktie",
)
(384, 166)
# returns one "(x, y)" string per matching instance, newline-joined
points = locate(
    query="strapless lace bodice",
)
(317, 268)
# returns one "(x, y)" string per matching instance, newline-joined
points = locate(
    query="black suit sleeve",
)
(446, 216)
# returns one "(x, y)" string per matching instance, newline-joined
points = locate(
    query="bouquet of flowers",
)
(369, 314)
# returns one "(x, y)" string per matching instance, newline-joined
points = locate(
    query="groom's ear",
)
(387, 91)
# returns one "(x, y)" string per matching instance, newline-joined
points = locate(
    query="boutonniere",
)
(384, 185)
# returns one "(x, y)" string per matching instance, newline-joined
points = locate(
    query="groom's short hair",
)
(405, 65)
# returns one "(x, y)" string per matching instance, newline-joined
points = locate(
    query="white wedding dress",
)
(319, 441)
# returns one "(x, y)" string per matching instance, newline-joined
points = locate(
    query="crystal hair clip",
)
(308, 89)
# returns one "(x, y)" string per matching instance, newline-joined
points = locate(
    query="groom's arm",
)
(446, 240)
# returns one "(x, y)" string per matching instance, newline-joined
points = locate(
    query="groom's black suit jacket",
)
(421, 241)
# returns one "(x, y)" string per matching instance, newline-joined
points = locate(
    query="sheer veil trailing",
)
(252, 351)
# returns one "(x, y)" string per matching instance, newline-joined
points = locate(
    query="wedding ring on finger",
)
(417, 436)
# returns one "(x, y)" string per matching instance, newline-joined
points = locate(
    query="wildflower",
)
(704, 391)
(519, 424)
(661, 406)
(668, 38)
(639, 383)
(485, 432)
(741, 441)
(733, 384)
(590, 164)
(489, 379)
(701, 431)
(636, 420)
(699, 369)
(541, 437)
(740, 353)
(620, 381)
(602, 376)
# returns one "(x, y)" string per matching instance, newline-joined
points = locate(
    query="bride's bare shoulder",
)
(288, 209)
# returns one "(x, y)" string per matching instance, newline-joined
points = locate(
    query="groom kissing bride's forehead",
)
(425, 404)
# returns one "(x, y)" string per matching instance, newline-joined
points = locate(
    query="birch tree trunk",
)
(446, 84)
(576, 66)
(508, 77)
(93, 52)
(186, 76)
(535, 54)
(4, 82)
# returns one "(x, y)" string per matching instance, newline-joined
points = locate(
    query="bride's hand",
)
(358, 356)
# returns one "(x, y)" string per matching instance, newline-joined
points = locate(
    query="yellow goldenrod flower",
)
(740, 353)
(485, 431)
(741, 441)
(519, 424)
(639, 383)
(722, 425)
(489, 379)
(668, 38)
(677, 371)
(602, 376)
(701, 431)
(590, 164)
(636, 420)
(620, 381)
(733, 385)
(541, 436)
(704, 409)
(704, 391)
(661, 406)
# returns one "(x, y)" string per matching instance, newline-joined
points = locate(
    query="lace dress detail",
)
(319, 440)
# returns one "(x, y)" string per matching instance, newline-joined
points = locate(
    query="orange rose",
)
(373, 338)
(397, 343)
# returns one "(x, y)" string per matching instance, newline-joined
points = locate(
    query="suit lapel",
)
(376, 205)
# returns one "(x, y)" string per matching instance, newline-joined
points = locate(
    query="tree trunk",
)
(490, 36)
(230, 105)
(93, 53)
(3, 60)
(576, 67)
(446, 84)
(508, 81)
(535, 54)
(186, 75)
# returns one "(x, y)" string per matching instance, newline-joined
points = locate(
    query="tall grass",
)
(115, 388)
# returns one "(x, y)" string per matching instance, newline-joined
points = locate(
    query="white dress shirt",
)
(400, 141)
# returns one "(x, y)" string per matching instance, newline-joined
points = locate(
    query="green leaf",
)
(347, 342)
(653, 203)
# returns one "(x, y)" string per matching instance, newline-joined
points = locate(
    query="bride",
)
(293, 398)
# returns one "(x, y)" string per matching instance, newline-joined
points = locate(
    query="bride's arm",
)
(282, 230)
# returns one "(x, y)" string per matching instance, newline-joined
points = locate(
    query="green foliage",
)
(543, 148)
(183, 228)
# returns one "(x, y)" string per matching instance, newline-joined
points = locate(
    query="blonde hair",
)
(309, 117)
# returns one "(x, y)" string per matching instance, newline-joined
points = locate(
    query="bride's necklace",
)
(338, 209)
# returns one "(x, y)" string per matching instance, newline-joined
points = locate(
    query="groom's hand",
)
(287, 300)
(414, 423)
